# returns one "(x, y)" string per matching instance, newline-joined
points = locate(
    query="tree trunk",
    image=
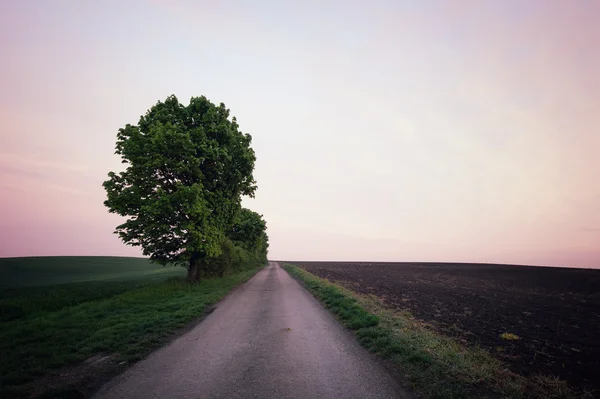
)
(193, 275)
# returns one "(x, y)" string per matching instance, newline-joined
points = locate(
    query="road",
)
(268, 339)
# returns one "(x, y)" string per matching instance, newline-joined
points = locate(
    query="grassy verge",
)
(78, 321)
(437, 366)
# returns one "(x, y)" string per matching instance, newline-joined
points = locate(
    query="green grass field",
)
(58, 312)
(37, 271)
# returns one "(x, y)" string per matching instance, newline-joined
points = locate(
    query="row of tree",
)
(187, 168)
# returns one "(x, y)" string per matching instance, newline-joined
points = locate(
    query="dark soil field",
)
(555, 312)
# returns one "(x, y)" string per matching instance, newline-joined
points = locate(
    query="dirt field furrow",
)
(555, 312)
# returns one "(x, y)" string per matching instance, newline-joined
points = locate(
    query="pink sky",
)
(398, 131)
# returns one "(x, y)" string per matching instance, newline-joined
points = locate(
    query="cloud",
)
(30, 174)
(17, 184)
(27, 163)
(20, 172)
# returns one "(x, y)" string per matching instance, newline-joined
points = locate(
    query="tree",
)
(187, 168)
(248, 231)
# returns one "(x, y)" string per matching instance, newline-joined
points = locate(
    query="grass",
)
(48, 328)
(17, 303)
(435, 365)
(52, 270)
(509, 336)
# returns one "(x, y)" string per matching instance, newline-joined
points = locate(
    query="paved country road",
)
(268, 339)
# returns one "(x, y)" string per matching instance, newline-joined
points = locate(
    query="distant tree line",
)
(187, 170)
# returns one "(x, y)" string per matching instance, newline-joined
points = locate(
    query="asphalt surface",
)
(268, 339)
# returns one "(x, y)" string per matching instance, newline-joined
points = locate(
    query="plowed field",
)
(555, 312)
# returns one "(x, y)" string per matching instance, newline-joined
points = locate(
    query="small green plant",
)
(509, 336)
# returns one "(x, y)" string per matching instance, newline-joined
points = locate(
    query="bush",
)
(233, 259)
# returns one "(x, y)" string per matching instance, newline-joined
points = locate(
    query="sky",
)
(463, 131)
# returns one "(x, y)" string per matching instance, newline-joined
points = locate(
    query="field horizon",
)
(323, 260)
(32, 271)
(447, 263)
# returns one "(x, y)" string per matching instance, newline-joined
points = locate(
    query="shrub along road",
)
(269, 338)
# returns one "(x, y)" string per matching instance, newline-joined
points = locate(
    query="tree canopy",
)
(187, 168)
(249, 232)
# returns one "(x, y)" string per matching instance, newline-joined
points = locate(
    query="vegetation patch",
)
(509, 336)
(37, 271)
(437, 366)
(93, 322)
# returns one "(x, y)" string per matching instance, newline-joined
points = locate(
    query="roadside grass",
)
(124, 320)
(436, 366)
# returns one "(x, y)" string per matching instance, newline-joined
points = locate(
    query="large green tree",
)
(186, 170)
